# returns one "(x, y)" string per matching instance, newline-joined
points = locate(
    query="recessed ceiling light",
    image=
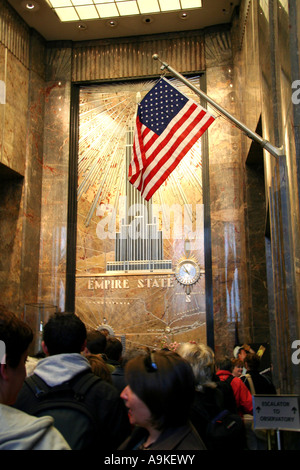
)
(112, 23)
(30, 5)
(82, 26)
(147, 19)
(183, 15)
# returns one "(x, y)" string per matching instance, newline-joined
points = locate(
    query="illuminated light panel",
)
(169, 5)
(187, 4)
(128, 8)
(76, 10)
(67, 14)
(88, 12)
(79, 3)
(148, 6)
(107, 10)
(60, 3)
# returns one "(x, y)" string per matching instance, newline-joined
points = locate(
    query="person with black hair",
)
(59, 373)
(156, 383)
(118, 375)
(18, 430)
(113, 351)
(256, 382)
(96, 344)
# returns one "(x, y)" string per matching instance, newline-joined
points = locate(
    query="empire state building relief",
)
(139, 264)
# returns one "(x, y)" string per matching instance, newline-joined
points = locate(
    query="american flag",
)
(167, 126)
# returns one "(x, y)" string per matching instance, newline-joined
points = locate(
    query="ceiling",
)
(47, 23)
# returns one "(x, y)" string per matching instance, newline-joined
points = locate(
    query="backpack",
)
(65, 403)
(219, 427)
(226, 431)
(226, 389)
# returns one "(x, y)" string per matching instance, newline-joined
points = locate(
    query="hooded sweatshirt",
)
(103, 399)
(55, 370)
(20, 431)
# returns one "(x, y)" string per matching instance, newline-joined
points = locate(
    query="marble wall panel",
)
(19, 225)
(56, 147)
(3, 55)
(227, 211)
(262, 78)
(13, 156)
(256, 231)
(15, 115)
(289, 119)
(33, 191)
(247, 76)
(11, 192)
(54, 193)
(249, 106)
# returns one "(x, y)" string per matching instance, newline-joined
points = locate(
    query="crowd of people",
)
(84, 392)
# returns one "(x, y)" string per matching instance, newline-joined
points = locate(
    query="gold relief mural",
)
(130, 270)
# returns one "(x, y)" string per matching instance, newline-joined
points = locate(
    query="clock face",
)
(187, 272)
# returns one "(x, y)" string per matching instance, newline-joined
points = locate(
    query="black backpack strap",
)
(80, 384)
(37, 385)
(229, 379)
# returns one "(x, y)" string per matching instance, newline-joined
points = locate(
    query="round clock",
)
(187, 272)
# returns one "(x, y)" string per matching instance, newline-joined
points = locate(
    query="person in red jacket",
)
(241, 393)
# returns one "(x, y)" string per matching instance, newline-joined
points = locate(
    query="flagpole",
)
(275, 151)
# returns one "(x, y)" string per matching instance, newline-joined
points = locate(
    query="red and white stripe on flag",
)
(167, 126)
